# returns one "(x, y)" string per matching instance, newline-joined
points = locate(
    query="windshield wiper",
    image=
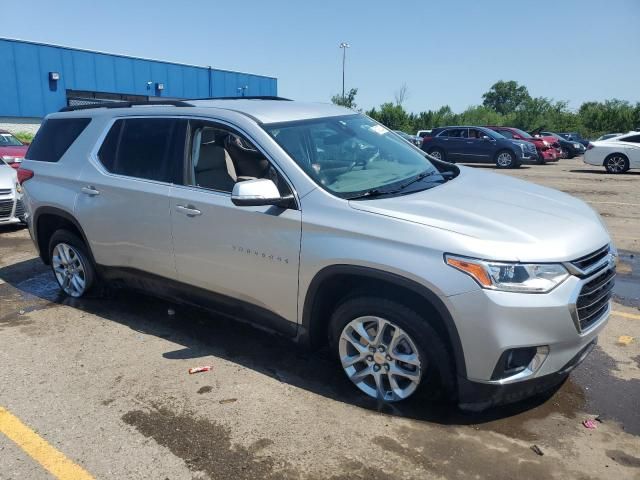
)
(374, 192)
(417, 178)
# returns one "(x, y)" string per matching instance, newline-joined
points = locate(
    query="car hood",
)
(8, 176)
(17, 151)
(501, 218)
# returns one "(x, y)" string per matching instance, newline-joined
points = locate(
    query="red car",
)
(548, 148)
(12, 150)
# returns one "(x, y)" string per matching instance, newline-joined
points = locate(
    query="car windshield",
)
(522, 133)
(8, 140)
(351, 155)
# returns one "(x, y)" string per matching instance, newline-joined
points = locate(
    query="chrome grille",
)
(5, 191)
(6, 206)
(594, 296)
(590, 263)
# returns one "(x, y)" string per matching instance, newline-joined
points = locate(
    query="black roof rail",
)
(174, 103)
(247, 97)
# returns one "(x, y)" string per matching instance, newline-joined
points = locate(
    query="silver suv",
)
(322, 224)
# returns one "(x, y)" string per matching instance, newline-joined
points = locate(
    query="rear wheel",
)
(616, 163)
(388, 350)
(71, 264)
(506, 159)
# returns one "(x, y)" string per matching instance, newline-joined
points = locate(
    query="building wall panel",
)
(26, 91)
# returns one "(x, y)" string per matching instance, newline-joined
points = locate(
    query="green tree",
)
(391, 116)
(348, 101)
(505, 97)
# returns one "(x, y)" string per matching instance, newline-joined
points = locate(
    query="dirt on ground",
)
(104, 380)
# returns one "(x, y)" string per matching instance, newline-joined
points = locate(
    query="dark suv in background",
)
(477, 145)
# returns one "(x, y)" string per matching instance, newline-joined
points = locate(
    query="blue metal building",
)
(37, 79)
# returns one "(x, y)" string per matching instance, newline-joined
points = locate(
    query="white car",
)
(11, 208)
(617, 154)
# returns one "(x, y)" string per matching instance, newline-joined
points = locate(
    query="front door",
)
(479, 147)
(249, 254)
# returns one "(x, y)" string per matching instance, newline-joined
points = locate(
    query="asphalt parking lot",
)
(104, 382)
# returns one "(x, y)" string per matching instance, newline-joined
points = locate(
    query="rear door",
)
(632, 149)
(245, 257)
(124, 205)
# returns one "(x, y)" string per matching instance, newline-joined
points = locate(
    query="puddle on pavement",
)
(205, 446)
(627, 288)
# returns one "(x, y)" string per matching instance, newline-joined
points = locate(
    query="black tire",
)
(438, 380)
(541, 160)
(616, 163)
(89, 270)
(440, 152)
(512, 163)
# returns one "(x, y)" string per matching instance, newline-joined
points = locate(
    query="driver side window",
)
(220, 157)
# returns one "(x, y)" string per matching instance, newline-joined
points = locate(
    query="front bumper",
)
(549, 155)
(490, 323)
(478, 396)
(11, 211)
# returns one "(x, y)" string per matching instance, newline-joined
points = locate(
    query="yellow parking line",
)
(43, 453)
(626, 315)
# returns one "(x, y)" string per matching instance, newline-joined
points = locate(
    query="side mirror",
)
(258, 192)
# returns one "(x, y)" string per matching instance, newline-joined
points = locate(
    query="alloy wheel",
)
(616, 164)
(380, 358)
(436, 154)
(504, 159)
(69, 270)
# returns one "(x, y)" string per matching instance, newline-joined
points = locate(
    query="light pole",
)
(343, 46)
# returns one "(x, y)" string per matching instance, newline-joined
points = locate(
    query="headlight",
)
(7, 158)
(576, 145)
(546, 144)
(511, 277)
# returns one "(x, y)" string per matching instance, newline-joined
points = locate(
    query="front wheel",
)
(438, 154)
(71, 264)
(616, 163)
(506, 159)
(388, 350)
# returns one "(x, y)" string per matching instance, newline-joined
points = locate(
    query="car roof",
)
(262, 110)
(276, 111)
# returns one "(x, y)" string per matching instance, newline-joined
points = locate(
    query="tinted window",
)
(473, 133)
(632, 139)
(150, 148)
(458, 132)
(54, 138)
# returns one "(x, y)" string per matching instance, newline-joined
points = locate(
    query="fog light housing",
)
(520, 362)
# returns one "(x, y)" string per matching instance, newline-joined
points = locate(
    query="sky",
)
(446, 52)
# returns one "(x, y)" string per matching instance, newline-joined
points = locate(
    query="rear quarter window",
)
(54, 138)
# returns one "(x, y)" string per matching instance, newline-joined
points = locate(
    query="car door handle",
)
(188, 210)
(90, 190)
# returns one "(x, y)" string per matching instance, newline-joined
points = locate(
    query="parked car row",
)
(479, 145)
(617, 154)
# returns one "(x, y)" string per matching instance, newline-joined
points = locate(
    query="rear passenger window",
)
(149, 148)
(632, 139)
(54, 138)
